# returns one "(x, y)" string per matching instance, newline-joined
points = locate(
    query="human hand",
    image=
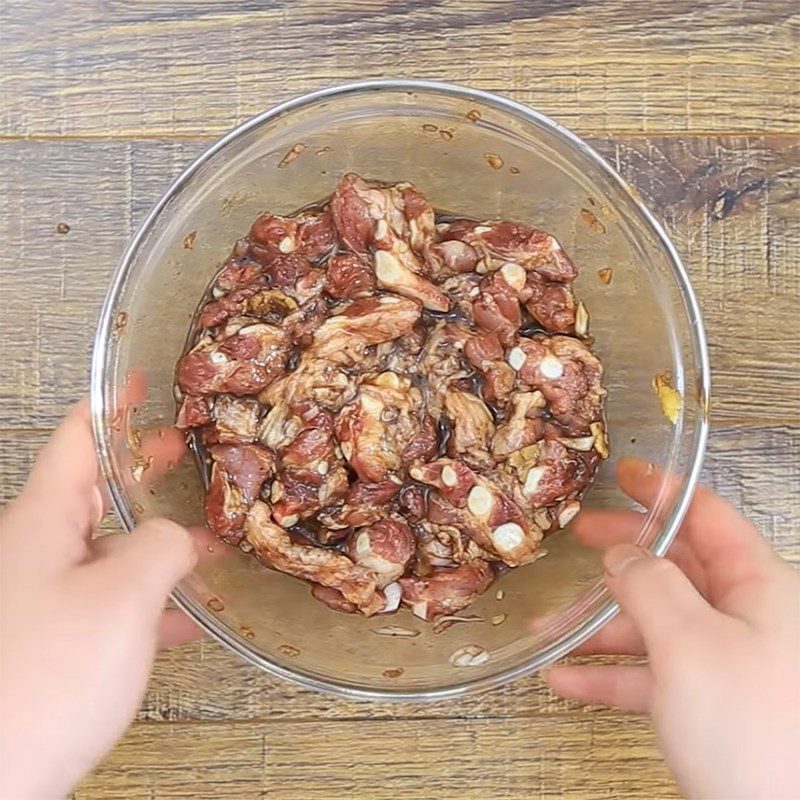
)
(80, 620)
(719, 620)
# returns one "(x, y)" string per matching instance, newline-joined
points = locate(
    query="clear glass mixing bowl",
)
(476, 154)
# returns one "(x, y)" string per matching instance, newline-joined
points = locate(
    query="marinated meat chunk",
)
(451, 257)
(301, 325)
(237, 474)
(193, 413)
(225, 508)
(311, 475)
(364, 504)
(391, 405)
(299, 492)
(424, 444)
(400, 355)
(394, 224)
(442, 363)
(326, 382)
(324, 372)
(235, 420)
(383, 428)
(504, 293)
(281, 424)
(349, 276)
(497, 308)
(296, 276)
(567, 374)
(444, 546)
(464, 289)
(271, 306)
(333, 598)
(477, 506)
(550, 472)
(275, 548)
(550, 303)
(238, 274)
(394, 276)
(310, 236)
(247, 466)
(371, 217)
(413, 502)
(233, 304)
(434, 549)
(486, 354)
(421, 218)
(446, 590)
(471, 428)
(386, 547)
(242, 363)
(288, 251)
(522, 426)
(362, 323)
(499, 527)
(498, 243)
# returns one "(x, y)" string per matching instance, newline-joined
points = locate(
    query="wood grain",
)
(729, 203)
(145, 69)
(578, 754)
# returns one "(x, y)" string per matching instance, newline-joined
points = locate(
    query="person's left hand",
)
(80, 620)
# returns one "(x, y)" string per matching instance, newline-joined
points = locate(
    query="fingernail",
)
(622, 556)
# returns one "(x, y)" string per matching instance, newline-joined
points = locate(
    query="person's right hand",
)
(720, 623)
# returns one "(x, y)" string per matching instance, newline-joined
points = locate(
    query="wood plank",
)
(751, 467)
(730, 207)
(580, 754)
(52, 285)
(729, 203)
(170, 761)
(115, 69)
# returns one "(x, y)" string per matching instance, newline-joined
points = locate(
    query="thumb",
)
(151, 559)
(657, 596)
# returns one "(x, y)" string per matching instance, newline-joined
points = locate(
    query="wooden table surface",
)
(696, 103)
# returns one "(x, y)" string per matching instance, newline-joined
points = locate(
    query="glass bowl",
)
(476, 154)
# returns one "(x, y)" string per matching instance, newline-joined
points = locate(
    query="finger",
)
(618, 637)
(134, 392)
(644, 482)
(149, 561)
(149, 453)
(61, 503)
(658, 598)
(160, 451)
(628, 688)
(71, 444)
(682, 554)
(736, 559)
(602, 529)
(207, 546)
(176, 628)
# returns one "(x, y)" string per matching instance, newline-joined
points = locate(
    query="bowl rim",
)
(600, 617)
